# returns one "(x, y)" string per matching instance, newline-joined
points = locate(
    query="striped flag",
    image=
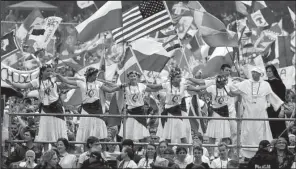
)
(142, 20)
(171, 43)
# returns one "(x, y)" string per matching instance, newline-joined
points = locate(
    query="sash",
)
(93, 108)
(222, 111)
(175, 111)
(54, 107)
(138, 111)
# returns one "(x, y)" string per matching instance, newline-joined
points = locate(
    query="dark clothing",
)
(205, 165)
(54, 107)
(136, 158)
(277, 127)
(175, 111)
(40, 166)
(20, 153)
(263, 159)
(170, 165)
(97, 164)
(138, 111)
(287, 161)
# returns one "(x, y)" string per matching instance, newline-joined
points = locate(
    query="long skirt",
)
(134, 130)
(51, 128)
(174, 129)
(91, 126)
(218, 128)
(277, 127)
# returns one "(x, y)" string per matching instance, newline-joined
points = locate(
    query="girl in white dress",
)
(174, 129)
(135, 93)
(50, 127)
(90, 89)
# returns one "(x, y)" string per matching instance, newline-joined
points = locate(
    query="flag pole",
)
(95, 5)
(183, 52)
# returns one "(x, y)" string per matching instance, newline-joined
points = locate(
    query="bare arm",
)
(197, 81)
(196, 89)
(20, 86)
(155, 87)
(111, 89)
(66, 80)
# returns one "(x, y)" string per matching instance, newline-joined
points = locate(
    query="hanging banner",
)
(288, 76)
(18, 76)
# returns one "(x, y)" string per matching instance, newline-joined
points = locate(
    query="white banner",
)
(50, 26)
(18, 76)
(288, 76)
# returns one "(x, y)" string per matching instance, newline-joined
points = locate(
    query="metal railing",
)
(124, 116)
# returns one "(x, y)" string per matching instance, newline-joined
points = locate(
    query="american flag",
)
(146, 18)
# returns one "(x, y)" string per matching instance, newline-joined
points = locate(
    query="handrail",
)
(152, 116)
(63, 23)
(119, 143)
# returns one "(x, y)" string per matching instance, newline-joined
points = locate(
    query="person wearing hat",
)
(255, 93)
(91, 104)
(263, 157)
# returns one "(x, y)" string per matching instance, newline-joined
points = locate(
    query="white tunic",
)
(90, 91)
(135, 95)
(48, 92)
(255, 98)
(174, 94)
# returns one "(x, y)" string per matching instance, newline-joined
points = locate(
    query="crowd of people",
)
(257, 98)
(149, 142)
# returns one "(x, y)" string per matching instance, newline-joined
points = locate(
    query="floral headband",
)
(90, 71)
(175, 72)
(133, 72)
(221, 78)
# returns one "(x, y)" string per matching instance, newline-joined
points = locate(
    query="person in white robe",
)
(256, 95)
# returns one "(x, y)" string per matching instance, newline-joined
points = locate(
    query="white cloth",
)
(135, 95)
(143, 163)
(218, 128)
(91, 126)
(218, 163)
(68, 161)
(51, 128)
(128, 164)
(134, 130)
(255, 98)
(48, 92)
(91, 92)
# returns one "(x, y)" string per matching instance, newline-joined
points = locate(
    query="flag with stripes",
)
(293, 42)
(171, 43)
(142, 20)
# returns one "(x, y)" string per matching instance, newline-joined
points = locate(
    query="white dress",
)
(50, 128)
(255, 98)
(218, 128)
(174, 128)
(134, 98)
(90, 126)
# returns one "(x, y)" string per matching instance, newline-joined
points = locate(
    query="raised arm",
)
(66, 80)
(19, 85)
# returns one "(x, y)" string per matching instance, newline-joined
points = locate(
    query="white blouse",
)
(90, 90)
(68, 161)
(48, 92)
(135, 95)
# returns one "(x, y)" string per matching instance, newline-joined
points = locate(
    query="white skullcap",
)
(257, 69)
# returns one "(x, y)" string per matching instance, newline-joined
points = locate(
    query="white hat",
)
(257, 69)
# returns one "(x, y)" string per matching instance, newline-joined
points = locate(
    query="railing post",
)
(239, 124)
(124, 122)
(2, 122)
(9, 127)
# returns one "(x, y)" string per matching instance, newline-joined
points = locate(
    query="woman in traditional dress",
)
(91, 104)
(50, 127)
(135, 93)
(278, 87)
(174, 129)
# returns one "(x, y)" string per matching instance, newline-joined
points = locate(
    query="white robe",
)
(255, 131)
